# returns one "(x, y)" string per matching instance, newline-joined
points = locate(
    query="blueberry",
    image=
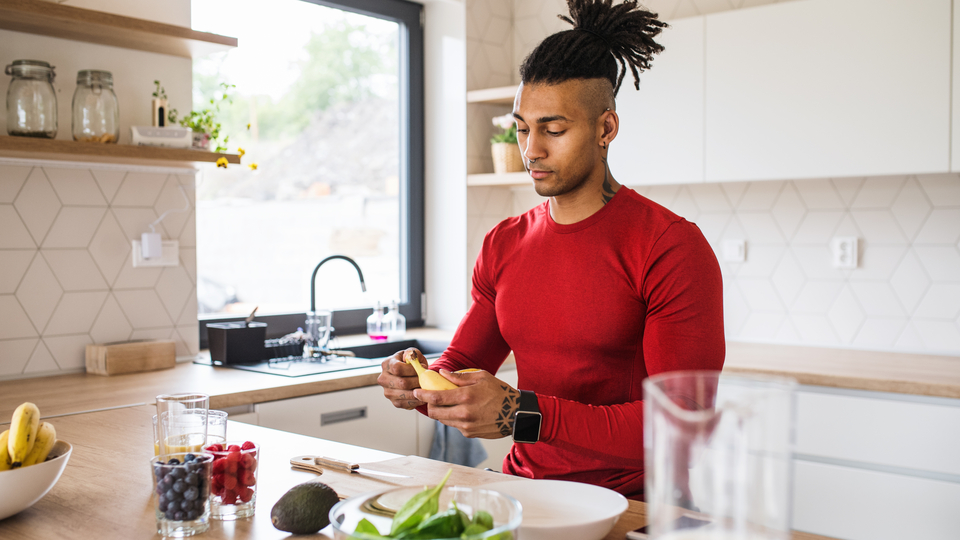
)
(173, 461)
(189, 457)
(186, 505)
(178, 516)
(192, 479)
(192, 515)
(191, 494)
(179, 486)
(171, 495)
(169, 514)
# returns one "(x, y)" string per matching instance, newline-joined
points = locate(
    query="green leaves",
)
(420, 519)
(419, 507)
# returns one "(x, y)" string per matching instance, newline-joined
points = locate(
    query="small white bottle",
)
(395, 323)
(375, 327)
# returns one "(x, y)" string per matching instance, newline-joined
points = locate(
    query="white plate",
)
(559, 510)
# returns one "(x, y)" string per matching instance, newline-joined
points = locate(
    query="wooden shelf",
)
(493, 96)
(60, 150)
(67, 22)
(516, 179)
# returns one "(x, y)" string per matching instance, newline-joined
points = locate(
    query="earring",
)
(604, 145)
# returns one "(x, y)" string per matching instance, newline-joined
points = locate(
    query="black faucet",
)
(313, 279)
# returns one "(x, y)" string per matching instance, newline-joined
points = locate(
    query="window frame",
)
(409, 16)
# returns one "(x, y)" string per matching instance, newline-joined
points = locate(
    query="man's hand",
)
(398, 380)
(483, 406)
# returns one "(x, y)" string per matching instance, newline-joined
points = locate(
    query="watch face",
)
(526, 427)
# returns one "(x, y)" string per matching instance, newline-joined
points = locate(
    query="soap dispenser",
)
(375, 327)
(395, 323)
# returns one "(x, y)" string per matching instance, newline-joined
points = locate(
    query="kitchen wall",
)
(66, 274)
(905, 293)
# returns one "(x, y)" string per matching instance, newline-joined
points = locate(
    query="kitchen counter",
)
(862, 370)
(105, 492)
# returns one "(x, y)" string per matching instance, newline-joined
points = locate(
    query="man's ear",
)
(609, 127)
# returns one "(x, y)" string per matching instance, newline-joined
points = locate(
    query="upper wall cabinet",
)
(661, 126)
(955, 129)
(825, 88)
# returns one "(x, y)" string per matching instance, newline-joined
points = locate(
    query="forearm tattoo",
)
(507, 410)
(607, 190)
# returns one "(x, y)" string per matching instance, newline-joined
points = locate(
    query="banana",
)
(23, 433)
(4, 453)
(429, 380)
(46, 438)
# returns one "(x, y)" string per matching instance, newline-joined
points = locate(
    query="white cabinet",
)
(873, 466)
(955, 120)
(827, 88)
(661, 126)
(360, 416)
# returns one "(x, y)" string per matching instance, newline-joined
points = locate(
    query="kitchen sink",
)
(371, 354)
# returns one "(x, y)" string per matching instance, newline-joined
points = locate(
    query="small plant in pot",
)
(503, 146)
(204, 124)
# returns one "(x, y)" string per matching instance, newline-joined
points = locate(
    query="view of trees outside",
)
(313, 102)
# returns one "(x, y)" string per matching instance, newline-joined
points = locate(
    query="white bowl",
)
(21, 488)
(560, 510)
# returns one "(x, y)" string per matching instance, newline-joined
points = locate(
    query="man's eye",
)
(521, 130)
(555, 133)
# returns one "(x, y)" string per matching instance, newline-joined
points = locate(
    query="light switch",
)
(844, 250)
(734, 250)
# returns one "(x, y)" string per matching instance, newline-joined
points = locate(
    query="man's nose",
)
(534, 149)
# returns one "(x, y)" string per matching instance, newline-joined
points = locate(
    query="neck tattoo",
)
(606, 191)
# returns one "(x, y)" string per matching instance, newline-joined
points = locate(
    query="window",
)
(326, 99)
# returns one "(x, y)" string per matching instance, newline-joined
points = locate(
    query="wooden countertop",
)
(917, 374)
(105, 491)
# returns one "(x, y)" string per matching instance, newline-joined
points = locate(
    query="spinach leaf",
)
(419, 507)
(473, 529)
(483, 518)
(366, 529)
(447, 524)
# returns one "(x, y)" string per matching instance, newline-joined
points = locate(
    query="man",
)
(593, 291)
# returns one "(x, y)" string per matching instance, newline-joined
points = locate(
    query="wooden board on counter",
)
(877, 371)
(105, 492)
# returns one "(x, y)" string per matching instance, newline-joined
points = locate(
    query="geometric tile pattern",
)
(904, 295)
(66, 277)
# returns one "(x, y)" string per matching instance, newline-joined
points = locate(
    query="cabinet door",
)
(826, 88)
(360, 416)
(661, 126)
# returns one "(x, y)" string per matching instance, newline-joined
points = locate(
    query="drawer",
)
(857, 504)
(360, 416)
(891, 432)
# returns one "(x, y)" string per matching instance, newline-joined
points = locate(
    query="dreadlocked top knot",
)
(609, 34)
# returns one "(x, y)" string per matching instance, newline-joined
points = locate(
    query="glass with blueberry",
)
(233, 484)
(183, 492)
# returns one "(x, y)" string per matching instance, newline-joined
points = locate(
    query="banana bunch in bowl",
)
(28, 441)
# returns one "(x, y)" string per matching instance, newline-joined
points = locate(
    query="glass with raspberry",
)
(233, 485)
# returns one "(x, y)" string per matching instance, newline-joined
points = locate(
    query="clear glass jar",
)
(31, 100)
(96, 114)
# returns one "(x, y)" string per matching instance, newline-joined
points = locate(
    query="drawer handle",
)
(345, 415)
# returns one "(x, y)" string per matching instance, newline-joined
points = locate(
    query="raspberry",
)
(231, 467)
(219, 466)
(245, 494)
(248, 446)
(214, 448)
(248, 462)
(247, 478)
(233, 457)
(233, 448)
(229, 497)
(229, 481)
(216, 485)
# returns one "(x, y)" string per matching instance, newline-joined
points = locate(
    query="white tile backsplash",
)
(66, 275)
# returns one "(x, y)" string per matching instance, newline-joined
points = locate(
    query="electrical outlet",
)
(734, 250)
(170, 257)
(844, 250)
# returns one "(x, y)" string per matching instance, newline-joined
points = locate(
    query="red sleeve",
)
(683, 329)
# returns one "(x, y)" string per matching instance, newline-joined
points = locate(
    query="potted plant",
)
(159, 105)
(204, 123)
(503, 146)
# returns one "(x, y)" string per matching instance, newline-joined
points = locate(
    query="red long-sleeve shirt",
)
(590, 309)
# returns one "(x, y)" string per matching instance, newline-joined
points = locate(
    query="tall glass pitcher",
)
(718, 456)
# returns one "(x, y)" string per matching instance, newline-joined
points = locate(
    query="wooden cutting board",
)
(130, 357)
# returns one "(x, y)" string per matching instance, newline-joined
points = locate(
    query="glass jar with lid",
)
(31, 100)
(96, 114)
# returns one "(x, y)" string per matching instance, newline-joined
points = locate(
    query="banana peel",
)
(46, 438)
(23, 433)
(5, 464)
(429, 380)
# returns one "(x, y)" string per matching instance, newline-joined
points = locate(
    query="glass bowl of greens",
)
(436, 512)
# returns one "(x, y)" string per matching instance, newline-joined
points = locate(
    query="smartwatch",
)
(526, 424)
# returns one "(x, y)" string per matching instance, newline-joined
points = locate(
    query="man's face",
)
(557, 130)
